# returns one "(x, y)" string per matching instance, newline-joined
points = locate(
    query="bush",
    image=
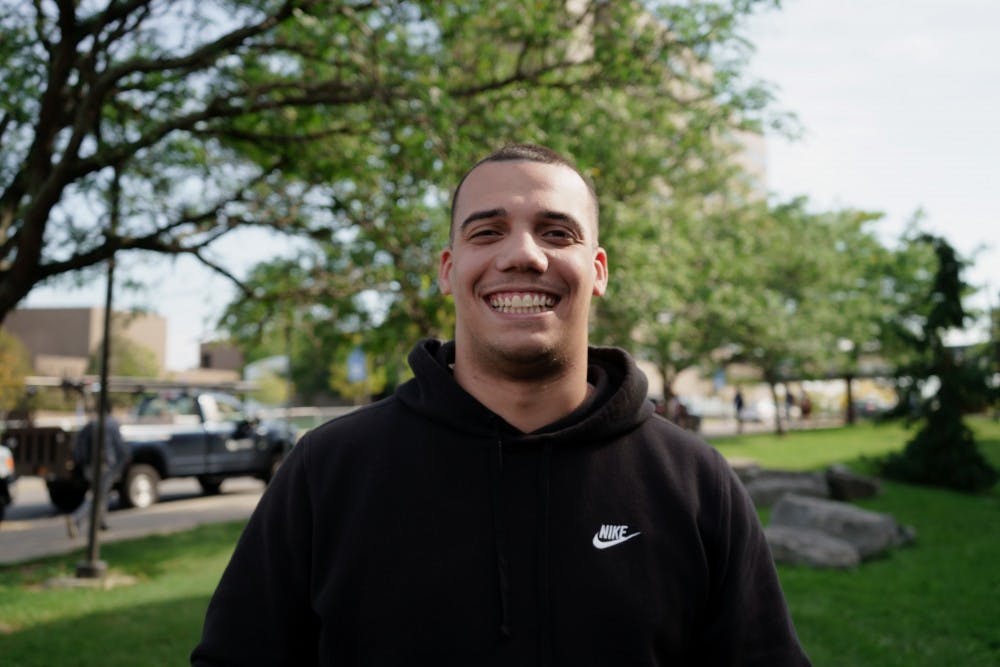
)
(943, 453)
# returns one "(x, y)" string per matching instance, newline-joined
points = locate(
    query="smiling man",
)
(523, 264)
(517, 502)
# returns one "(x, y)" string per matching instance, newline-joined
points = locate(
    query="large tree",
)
(219, 114)
(640, 99)
(669, 259)
(777, 297)
(869, 286)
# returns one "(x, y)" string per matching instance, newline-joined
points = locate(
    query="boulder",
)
(745, 468)
(871, 533)
(766, 487)
(804, 546)
(847, 485)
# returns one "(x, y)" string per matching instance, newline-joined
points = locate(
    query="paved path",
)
(32, 528)
(715, 427)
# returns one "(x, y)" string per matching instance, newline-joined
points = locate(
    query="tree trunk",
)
(778, 426)
(849, 415)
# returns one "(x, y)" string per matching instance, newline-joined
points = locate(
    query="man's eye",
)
(483, 233)
(558, 234)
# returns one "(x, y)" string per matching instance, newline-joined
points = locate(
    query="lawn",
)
(154, 622)
(935, 603)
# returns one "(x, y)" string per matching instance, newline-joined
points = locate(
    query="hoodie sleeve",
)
(261, 612)
(747, 619)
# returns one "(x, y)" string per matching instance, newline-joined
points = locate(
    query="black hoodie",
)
(425, 530)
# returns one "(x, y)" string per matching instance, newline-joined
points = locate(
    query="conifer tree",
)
(943, 452)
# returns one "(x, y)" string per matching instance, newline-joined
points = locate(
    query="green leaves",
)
(347, 124)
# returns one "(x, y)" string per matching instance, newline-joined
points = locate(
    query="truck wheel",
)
(141, 486)
(210, 484)
(66, 494)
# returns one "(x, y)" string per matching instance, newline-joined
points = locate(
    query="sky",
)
(898, 103)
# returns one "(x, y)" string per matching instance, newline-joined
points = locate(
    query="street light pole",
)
(93, 566)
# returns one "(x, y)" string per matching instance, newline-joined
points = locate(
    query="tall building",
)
(62, 340)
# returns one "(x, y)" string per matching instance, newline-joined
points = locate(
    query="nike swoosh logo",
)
(604, 544)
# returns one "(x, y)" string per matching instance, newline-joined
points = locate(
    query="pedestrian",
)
(805, 405)
(116, 455)
(517, 502)
(738, 404)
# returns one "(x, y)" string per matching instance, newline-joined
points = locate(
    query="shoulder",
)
(684, 467)
(680, 446)
(357, 430)
(358, 422)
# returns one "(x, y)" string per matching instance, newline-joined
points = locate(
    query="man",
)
(116, 455)
(516, 503)
(738, 404)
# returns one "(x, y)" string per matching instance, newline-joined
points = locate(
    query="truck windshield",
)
(167, 405)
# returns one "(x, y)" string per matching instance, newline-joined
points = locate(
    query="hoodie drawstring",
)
(545, 602)
(500, 538)
(500, 543)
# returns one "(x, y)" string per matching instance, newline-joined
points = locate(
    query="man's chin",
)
(528, 361)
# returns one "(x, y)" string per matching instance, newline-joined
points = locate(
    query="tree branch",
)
(204, 54)
(115, 11)
(325, 93)
(242, 286)
(40, 26)
(237, 135)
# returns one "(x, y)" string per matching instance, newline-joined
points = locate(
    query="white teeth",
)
(522, 303)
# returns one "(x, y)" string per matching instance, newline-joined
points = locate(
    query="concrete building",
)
(61, 341)
(221, 355)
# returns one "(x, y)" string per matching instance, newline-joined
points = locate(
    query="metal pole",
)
(288, 374)
(93, 566)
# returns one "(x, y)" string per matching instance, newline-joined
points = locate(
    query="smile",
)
(522, 302)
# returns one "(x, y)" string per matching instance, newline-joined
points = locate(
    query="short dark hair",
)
(528, 153)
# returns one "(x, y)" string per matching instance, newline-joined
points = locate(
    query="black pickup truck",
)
(172, 434)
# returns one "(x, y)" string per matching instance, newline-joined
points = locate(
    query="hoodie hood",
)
(618, 406)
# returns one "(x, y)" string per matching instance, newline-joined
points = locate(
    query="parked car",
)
(208, 436)
(7, 479)
(204, 435)
(871, 408)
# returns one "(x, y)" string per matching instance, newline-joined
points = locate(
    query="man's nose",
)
(521, 252)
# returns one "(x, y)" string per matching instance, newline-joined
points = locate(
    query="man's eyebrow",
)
(483, 215)
(558, 216)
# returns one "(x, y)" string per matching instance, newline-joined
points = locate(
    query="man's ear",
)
(601, 272)
(444, 272)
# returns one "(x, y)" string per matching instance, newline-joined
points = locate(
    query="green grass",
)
(157, 621)
(934, 603)
(806, 450)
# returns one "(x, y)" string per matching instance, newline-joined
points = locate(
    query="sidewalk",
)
(722, 427)
(23, 540)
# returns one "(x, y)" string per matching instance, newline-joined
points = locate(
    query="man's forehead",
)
(493, 184)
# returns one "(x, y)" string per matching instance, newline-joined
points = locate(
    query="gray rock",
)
(745, 468)
(804, 546)
(847, 485)
(768, 486)
(871, 533)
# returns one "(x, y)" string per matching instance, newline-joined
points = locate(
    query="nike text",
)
(609, 535)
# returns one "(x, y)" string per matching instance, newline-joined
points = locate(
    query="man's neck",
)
(527, 405)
